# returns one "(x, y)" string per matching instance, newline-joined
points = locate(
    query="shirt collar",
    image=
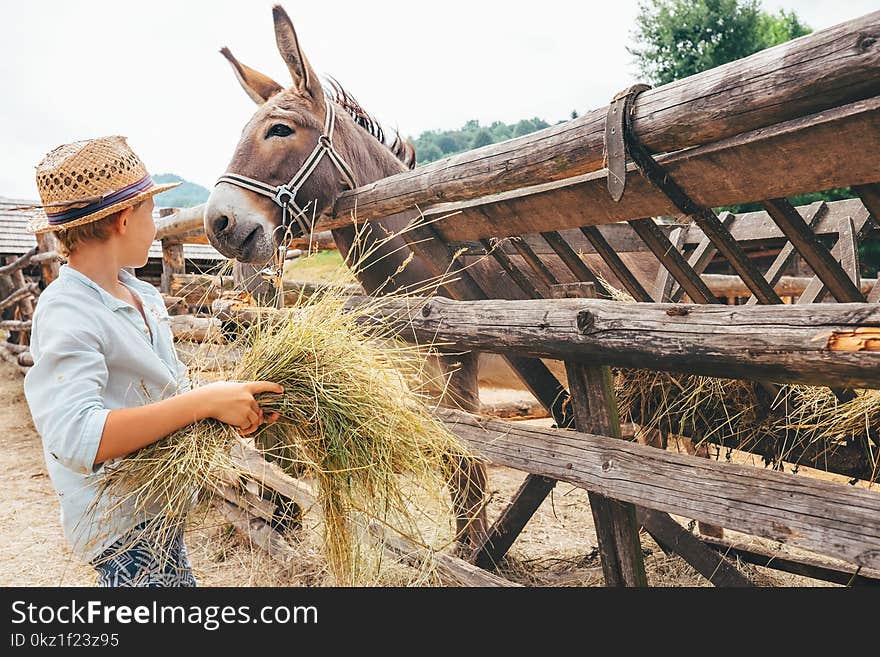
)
(68, 272)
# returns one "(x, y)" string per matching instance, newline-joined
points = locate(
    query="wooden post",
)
(595, 411)
(172, 263)
(172, 255)
(49, 268)
(25, 303)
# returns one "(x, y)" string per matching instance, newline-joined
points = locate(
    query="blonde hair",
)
(69, 239)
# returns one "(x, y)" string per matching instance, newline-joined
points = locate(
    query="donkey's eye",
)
(279, 130)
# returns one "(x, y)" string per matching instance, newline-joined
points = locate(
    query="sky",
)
(151, 71)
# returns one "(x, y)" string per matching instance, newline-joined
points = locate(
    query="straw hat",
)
(88, 180)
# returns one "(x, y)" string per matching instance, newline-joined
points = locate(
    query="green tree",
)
(482, 138)
(678, 38)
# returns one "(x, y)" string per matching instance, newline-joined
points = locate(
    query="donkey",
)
(280, 143)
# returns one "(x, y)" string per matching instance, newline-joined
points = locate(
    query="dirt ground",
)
(558, 548)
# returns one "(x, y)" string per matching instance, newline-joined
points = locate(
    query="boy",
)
(106, 379)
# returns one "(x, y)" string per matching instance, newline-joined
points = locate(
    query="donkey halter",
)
(285, 195)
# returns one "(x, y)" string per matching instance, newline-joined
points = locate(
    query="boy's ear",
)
(121, 223)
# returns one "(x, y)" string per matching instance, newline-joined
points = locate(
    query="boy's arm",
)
(128, 429)
(65, 393)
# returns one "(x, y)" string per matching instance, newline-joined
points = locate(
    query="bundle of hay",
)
(351, 421)
(778, 423)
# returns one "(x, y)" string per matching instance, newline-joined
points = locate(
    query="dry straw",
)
(352, 420)
(794, 421)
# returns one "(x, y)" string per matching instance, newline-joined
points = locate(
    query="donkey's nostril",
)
(221, 223)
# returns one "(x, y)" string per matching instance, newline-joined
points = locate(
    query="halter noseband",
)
(285, 195)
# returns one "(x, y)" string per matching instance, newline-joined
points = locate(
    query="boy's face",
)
(139, 236)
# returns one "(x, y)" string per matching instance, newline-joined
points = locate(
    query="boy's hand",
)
(233, 403)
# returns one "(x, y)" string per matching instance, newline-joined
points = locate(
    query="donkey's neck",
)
(370, 160)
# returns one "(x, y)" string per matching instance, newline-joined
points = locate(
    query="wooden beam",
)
(18, 263)
(816, 289)
(726, 285)
(461, 285)
(574, 263)
(173, 264)
(672, 260)
(701, 256)
(827, 518)
(522, 281)
(184, 220)
(504, 531)
(674, 538)
(664, 280)
(812, 214)
(28, 291)
(15, 325)
(533, 261)
(870, 196)
(812, 74)
(812, 250)
(830, 149)
(754, 230)
(48, 257)
(811, 344)
(595, 411)
(609, 255)
(821, 569)
(849, 251)
(252, 465)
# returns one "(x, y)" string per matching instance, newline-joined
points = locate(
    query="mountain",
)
(183, 196)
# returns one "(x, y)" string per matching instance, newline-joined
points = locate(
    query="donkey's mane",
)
(400, 148)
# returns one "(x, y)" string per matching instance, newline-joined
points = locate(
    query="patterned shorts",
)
(139, 559)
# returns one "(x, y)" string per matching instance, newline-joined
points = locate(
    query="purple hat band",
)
(127, 192)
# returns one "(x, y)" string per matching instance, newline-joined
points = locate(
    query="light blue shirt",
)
(92, 354)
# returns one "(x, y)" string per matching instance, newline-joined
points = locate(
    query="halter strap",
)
(285, 195)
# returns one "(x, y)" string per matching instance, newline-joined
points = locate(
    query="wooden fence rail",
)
(819, 344)
(815, 515)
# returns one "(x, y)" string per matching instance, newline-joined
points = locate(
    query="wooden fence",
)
(539, 227)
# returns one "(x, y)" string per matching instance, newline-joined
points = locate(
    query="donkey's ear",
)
(258, 86)
(305, 80)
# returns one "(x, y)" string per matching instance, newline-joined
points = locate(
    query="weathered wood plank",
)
(460, 284)
(173, 264)
(812, 250)
(849, 252)
(453, 571)
(672, 260)
(862, 224)
(183, 221)
(700, 258)
(595, 411)
(48, 258)
(831, 149)
(574, 262)
(609, 256)
(674, 538)
(726, 285)
(522, 281)
(751, 229)
(15, 264)
(504, 531)
(807, 566)
(533, 261)
(774, 85)
(664, 280)
(826, 518)
(27, 291)
(787, 254)
(802, 343)
(196, 329)
(203, 289)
